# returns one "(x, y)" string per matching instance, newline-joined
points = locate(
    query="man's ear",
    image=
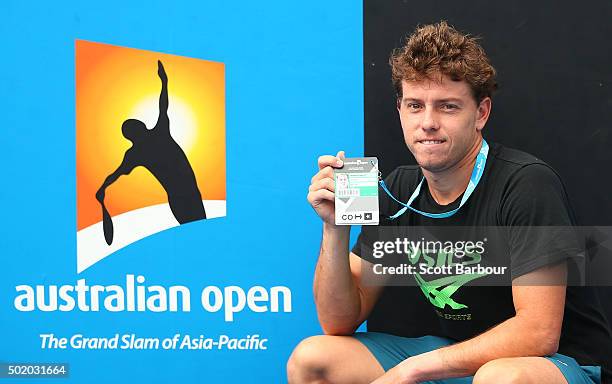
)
(483, 111)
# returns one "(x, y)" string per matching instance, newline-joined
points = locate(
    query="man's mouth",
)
(431, 142)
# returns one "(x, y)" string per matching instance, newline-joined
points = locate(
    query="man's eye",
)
(413, 106)
(449, 107)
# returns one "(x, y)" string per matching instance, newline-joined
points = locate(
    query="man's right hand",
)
(321, 191)
(100, 195)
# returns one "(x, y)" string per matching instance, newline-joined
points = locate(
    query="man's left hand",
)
(161, 72)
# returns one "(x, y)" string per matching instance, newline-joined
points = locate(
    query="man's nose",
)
(430, 119)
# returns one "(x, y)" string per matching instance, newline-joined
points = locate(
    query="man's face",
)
(441, 121)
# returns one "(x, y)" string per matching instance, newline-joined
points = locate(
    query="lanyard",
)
(479, 166)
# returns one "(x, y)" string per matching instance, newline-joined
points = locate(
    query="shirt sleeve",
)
(537, 216)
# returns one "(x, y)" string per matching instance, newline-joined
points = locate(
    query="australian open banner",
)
(156, 157)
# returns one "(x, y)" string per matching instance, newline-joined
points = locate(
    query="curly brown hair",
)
(439, 49)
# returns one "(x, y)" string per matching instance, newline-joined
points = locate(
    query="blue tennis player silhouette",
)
(158, 152)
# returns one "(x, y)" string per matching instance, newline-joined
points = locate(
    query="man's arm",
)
(341, 300)
(126, 166)
(533, 331)
(343, 303)
(162, 119)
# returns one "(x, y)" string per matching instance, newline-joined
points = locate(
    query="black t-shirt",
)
(517, 192)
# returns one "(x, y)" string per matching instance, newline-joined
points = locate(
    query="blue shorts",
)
(391, 350)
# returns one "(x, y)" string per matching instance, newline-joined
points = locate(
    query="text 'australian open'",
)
(135, 296)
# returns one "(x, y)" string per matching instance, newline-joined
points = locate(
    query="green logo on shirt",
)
(439, 291)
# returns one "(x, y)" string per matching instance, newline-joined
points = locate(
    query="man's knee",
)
(332, 359)
(308, 362)
(501, 371)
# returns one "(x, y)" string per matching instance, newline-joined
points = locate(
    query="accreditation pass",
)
(356, 191)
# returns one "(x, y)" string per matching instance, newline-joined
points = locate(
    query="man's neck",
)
(447, 185)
